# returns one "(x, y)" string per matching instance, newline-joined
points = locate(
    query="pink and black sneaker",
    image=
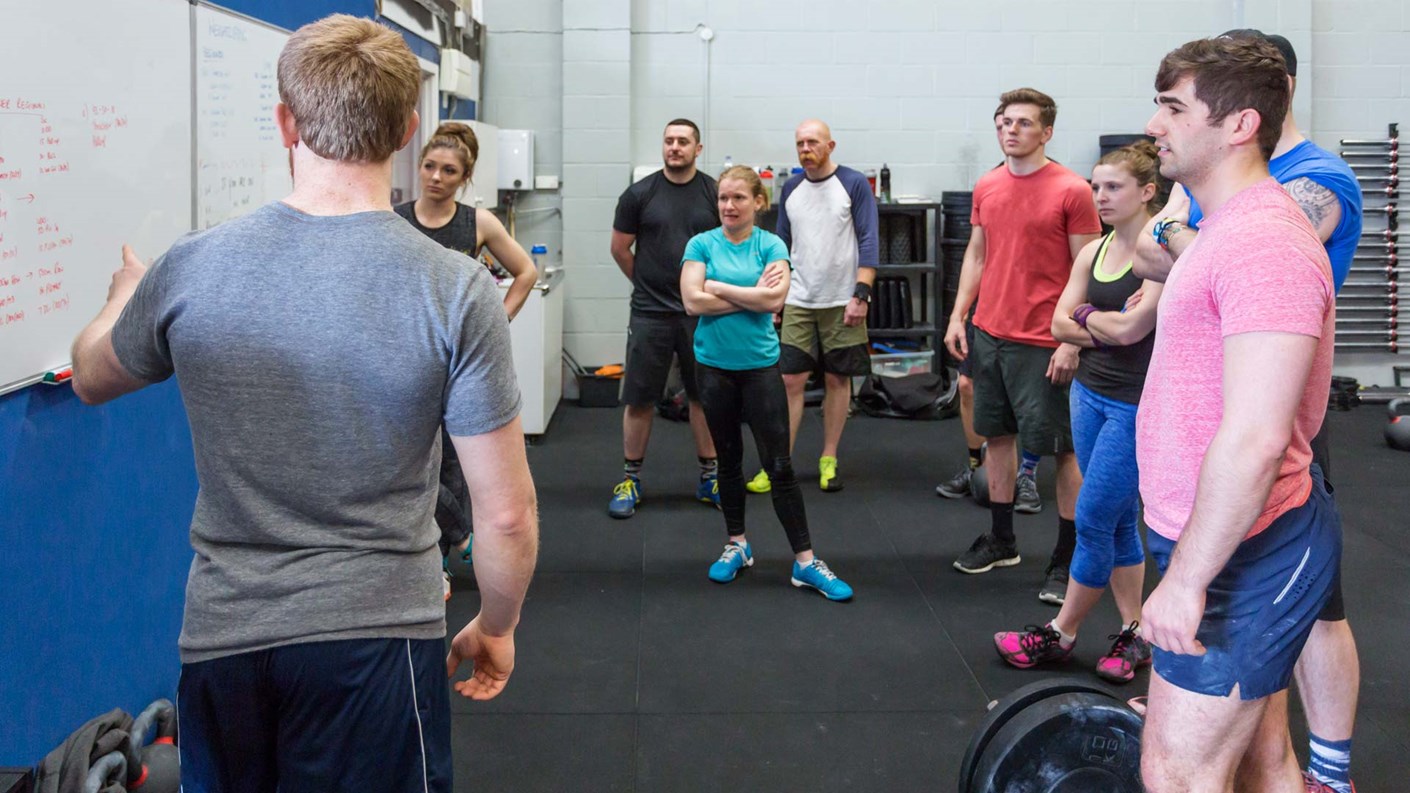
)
(1128, 653)
(1032, 646)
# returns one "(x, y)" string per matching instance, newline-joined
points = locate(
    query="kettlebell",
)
(1397, 430)
(106, 774)
(155, 767)
(979, 486)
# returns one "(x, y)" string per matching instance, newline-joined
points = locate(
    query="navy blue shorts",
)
(1260, 608)
(353, 715)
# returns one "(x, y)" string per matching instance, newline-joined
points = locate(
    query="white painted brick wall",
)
(909, 82)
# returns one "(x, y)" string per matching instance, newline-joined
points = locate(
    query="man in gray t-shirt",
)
(320, 343)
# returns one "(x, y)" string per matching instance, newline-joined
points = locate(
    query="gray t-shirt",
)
(317, 358)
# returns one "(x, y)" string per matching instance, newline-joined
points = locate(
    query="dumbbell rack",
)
(1368, 308)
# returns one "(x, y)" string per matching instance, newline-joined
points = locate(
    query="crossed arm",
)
(1111, 328)
(703, 297)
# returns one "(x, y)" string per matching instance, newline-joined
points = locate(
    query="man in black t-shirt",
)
(657, 216)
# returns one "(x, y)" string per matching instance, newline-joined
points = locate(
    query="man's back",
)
(317, 357)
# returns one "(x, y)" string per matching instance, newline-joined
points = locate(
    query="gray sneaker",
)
(1025, 497)
(1054, 589)
(956, 486)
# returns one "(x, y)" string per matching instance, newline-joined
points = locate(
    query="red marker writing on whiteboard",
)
(59, 376)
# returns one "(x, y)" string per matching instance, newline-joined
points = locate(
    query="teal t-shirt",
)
(744, 339)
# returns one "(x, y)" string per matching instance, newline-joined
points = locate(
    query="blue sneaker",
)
(709, 491)
(816, 575)
(736, 557)
(625, 497)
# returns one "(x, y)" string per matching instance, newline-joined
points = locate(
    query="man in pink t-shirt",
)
(1242, 526)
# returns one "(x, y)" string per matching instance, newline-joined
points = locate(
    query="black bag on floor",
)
(926, 396)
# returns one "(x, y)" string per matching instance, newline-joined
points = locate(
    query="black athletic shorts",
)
(964, 369)
(652, 341)
(1335, 610)
(1013, 396)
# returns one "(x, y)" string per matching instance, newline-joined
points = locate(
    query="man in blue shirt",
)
(1324, 186)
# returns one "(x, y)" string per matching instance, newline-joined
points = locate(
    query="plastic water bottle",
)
(885, 184)
(538, 252)
(767, 177)
(729, 163)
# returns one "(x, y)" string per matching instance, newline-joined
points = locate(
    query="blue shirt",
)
(742, 339)
(1308, 160)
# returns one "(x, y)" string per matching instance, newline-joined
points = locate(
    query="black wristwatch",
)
(862, 292)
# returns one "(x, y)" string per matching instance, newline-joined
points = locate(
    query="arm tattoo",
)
(1316, 201)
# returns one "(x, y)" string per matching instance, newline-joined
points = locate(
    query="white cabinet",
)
(536, 335)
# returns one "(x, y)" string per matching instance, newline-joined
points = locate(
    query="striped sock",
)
(1030, 464)
(633, 468)
(1330, 762)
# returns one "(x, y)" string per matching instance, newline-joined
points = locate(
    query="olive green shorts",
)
(810, 332)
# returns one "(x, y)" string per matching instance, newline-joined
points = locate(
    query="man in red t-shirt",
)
(1030, 218)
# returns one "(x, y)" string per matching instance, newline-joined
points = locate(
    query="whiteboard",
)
(240, 162)
(95, 151)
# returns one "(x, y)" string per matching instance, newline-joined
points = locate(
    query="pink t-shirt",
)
(1256, 266)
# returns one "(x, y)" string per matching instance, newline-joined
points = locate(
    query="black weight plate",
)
(1071, 743)
(1009, 706)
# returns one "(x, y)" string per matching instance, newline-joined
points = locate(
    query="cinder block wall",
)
(912, 83)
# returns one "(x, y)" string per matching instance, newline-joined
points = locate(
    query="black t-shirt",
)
(1115, 372)
(458, 234)
(664, 216)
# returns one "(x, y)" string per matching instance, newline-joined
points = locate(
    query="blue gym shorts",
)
(1260, 608)
(348, 715)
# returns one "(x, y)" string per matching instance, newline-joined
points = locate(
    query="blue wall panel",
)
(95, 507)
(292, 14)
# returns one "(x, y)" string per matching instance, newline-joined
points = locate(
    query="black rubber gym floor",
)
(636, 673)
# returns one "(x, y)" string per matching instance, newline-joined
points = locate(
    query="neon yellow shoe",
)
(827, 475)
(760, 483)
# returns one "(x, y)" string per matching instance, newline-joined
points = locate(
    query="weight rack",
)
(1368, 308)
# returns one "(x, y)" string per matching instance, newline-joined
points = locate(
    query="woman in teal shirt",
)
(735, 278)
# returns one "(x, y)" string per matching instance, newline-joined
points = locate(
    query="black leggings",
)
(753, 396)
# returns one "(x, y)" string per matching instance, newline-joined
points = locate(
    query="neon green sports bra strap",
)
(1101, 257)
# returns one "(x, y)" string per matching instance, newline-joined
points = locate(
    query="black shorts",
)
(652, 341)
(1335, 610)
(350, 715)
(964, 369)
(1013, 396)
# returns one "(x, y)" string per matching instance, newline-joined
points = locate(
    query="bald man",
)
(827, 218)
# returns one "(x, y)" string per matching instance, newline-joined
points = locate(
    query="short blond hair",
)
(351, 86)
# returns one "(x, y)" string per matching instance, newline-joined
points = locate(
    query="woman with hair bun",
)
(735, 278)
(447, 163)
(1110, 313)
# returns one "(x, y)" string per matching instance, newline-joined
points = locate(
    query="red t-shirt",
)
(1027, 258)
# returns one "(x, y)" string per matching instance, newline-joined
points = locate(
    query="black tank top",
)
(458, 235)
(1114, 372)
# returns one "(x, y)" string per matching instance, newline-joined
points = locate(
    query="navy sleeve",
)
(784, 231)
(864, 220)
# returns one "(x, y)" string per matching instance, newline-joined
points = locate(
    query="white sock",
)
(1067, 639)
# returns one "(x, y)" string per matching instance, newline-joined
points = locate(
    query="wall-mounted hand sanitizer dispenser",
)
(516, 159)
